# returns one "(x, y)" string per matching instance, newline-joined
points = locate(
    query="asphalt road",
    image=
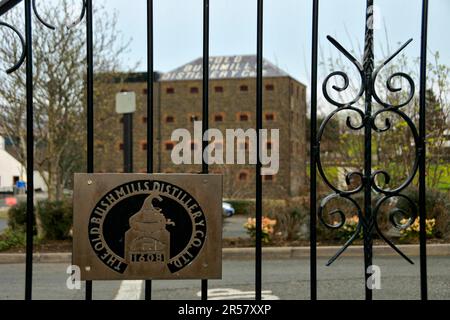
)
(233, 227)
(283, 279)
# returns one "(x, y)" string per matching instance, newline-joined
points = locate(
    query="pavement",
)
(282, 279)
(233, 227)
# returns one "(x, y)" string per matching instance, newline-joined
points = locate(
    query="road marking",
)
(233, 294)
(129, 290)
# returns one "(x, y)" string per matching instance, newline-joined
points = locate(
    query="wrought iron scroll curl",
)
(341, 222)
(415, 166)
(52, 27)
(394, 217)
(23, 44)
(345, 77)
(387, 194)
(390, 81)
(349, 177)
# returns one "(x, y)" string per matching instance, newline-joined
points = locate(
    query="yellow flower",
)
(414, 228)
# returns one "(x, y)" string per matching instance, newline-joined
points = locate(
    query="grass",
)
(444, 171)
(3, 214)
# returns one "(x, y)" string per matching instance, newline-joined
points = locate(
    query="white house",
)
(11, 171)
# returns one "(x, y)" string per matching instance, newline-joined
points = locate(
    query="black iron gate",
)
(367, 178)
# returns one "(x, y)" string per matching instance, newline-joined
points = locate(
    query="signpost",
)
(126, 105)
(148, 226)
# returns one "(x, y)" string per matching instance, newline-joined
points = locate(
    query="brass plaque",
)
(147, 226)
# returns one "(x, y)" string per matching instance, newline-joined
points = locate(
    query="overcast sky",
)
(287, 29)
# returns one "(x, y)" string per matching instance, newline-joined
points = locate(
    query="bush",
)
(290, 223)
(267, 229)
(349, 229)
(56, 219)
(12, 239)
(243, 207)
(17, 217)
(351, 217)
(413, 231)
(437, 206)
(290, 216)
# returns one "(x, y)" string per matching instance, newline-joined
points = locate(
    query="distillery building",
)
(232, 105)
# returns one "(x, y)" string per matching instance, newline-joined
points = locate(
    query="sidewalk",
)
(273, 253)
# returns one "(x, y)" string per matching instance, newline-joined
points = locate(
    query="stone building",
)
(232, 105)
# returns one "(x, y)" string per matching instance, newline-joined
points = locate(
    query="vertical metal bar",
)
(205, 102)
(259, 123)
(368, 70)
(30, 151)
(90, 105)
(150, 110)
(313, 153)
(128, 142)
(422, 159)
(150, 80)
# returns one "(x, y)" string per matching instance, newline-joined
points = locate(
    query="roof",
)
(224, 67)
(134, 77)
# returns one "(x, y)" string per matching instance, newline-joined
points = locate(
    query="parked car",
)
(227, 209)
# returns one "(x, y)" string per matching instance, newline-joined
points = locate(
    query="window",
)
(121, 146)
(243, 117)
(269, 178)
(169, 146)
(243, 88)
(270, 87)
(170, 119)
(194, 117)
(270, 116)
(243, 176)
(218, 117)
(218, 89)
(144, 146)
(121, 120)
(145, 91)
(170, 90)
(144, 120)
(194, 90)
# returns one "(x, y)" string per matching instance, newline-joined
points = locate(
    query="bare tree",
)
(59, 90)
